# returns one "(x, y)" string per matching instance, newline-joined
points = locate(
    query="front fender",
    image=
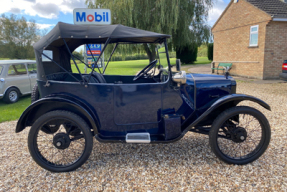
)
(44, 105)
(233, 98)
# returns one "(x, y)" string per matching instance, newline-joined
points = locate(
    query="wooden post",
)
(212, 66)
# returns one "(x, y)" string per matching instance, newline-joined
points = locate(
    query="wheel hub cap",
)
(13, 96)
(61, 141)
(58, 143)
(239, 135)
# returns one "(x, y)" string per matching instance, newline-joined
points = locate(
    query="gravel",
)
(187, 165)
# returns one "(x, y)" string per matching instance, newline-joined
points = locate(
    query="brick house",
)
(252, 35)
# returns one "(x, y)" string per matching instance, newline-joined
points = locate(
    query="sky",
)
(48, 13)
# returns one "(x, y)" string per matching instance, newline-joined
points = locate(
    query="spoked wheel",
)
(60, 141)
(239, 135)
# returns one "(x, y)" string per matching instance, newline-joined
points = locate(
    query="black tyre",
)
(12, 95)
(64, 149)
(239, 135)
(35, 95)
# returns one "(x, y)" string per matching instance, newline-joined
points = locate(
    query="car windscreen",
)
(1, 68)
(162, 56)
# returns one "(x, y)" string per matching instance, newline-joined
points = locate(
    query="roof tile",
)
(275, 8)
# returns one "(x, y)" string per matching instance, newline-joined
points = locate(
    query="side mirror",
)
(179, 78)
(178, 65)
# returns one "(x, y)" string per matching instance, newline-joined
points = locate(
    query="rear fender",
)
(229, 100)
(42, 106)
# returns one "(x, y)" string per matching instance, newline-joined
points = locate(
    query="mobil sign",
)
(92, 16)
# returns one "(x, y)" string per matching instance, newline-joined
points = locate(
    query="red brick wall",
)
(275, 49)
(231, 39)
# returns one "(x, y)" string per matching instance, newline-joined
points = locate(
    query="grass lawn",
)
(11, 112)
(202, 60)
(121, 67)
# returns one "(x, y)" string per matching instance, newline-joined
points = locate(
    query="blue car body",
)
(113, 110)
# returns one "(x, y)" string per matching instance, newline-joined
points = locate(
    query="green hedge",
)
(187, 54)
(210, 51)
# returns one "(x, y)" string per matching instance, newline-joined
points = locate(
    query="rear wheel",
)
(12, 95)
(239, 135)
(60, 141)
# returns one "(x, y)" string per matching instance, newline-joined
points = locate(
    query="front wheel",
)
(60, 141)
(239, 135)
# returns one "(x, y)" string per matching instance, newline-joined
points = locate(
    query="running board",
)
(138, 138)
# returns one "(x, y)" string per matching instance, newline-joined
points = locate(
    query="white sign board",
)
(84, 16)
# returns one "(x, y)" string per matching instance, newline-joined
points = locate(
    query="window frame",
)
(33, 68)
(252, 33)
(1, 69)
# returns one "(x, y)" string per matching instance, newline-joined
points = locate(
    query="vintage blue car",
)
(147, 108)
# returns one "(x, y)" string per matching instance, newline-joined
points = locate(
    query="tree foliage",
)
(202, 50)
(17, 37)
(185, 20)
(79, 54)
(187, 55)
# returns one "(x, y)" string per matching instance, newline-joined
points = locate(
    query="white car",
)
(17, 78)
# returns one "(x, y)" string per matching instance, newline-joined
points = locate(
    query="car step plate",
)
(138, 138)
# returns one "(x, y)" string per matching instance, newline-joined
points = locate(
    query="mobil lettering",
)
(92, 16)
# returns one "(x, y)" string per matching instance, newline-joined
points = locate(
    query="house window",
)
(254, 35)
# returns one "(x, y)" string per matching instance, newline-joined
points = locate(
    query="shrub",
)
(187, 54)
(210, 51)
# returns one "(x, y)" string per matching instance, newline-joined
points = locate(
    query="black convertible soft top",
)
(76, 35)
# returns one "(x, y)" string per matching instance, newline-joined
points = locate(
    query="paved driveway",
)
(203, 68)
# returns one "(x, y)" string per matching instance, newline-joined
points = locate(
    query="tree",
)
(185, 20)
(79, 54)
(187, 55)
(17, 37)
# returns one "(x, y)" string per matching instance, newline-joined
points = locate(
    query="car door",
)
(137, 103)
(17, 76)
(32, 72)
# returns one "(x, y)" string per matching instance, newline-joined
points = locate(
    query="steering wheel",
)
(145, 70)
